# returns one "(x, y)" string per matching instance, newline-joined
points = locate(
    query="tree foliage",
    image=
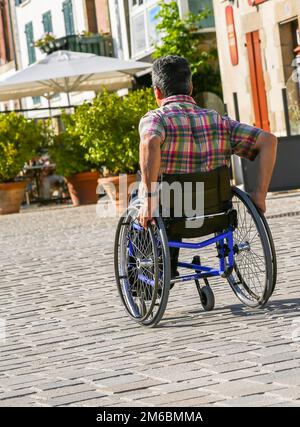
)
(20, 141)
(181, 36)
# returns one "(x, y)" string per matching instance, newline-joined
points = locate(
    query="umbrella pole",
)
(49, 106)
(48, 97)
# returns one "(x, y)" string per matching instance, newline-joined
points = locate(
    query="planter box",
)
(11, 197)
(95, 44)
(82, 188)
(286, 175)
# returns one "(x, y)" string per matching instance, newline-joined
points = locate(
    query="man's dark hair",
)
(172, 75)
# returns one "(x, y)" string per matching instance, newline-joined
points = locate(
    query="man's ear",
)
(191, 88)
(158, 96)
(158, 93)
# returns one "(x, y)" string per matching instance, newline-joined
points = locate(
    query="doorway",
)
(290, 42)
(258, 90)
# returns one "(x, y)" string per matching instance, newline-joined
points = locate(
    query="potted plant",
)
(108, 130)
(71, 161)
(20, 140)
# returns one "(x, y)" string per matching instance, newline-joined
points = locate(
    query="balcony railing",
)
(96, 44)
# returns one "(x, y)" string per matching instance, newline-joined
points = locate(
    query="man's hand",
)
(148, 211)
(259, 200)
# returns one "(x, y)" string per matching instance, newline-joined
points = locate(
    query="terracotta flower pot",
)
(82, 188)
(11, 196)
(116, 192)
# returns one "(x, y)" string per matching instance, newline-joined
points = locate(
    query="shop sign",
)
(233, 48)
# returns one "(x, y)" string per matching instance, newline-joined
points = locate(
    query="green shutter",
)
(30, 42)
(68, 16)
(47, 22)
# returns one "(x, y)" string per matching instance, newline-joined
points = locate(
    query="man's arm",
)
(266, 145)
(150, 165)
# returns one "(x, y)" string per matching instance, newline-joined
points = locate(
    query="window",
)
(36, 100)
(30, 42)
(137, 2)
(18, 2)
(139, 41)
(290, 40)
(68, 17)
(196, 6)
(47, 22)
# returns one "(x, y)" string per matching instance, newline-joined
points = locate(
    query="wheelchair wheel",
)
(142, 267)
(252, 279)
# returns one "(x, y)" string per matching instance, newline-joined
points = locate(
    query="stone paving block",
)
(119, 380)
(173, 397)
(74, 398)
(242, 388)
(291, 404)
(197, 401)
(64, 391)
(253, 400)
(16, 394)
(290, 377)
(292, 393)
(125, 387)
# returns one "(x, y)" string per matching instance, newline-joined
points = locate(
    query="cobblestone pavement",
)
(69, 342)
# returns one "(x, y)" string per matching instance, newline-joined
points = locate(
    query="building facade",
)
(63, 19)
(134, 25)
(7, 48)
(259, 54)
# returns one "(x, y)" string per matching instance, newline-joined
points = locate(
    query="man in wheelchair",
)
(184, 142)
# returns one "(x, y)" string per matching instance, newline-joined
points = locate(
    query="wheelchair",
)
(231, 222)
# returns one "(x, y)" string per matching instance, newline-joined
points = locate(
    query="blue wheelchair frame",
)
(202, 271)
(225, 249)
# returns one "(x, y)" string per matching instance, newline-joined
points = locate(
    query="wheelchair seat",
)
(217, 214)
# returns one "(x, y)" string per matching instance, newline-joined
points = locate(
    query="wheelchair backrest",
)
(216, 192)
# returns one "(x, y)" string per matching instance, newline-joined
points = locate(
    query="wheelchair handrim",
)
(251, 268)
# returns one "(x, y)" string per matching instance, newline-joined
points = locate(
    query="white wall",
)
(118, 28)
(32, 10)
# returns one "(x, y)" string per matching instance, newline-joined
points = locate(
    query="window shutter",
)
(47, 22)
(30, 42)
(68, 16)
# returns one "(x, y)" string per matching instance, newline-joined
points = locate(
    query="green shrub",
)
(66, 151)
(20, 141)
(108, 129)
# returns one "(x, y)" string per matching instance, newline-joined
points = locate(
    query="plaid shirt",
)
(195, 139)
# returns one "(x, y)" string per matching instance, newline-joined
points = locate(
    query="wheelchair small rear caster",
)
(207, 297)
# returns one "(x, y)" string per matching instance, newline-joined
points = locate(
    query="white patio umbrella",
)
(67, 71)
